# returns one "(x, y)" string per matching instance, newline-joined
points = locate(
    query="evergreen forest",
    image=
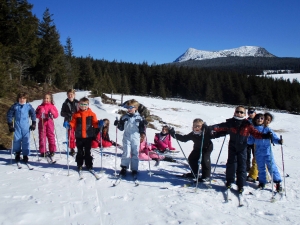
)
(31, 53)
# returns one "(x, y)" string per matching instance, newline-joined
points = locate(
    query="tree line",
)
(31, 52)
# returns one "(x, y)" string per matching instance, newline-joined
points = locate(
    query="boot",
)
(278, 187)
(228, 185)
(17, 156)
(123, 171)
(241, 190)
(25, 159)
(72, 152)
(261, 186)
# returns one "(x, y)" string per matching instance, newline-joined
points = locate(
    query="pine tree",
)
(72, 71)
(50, 60)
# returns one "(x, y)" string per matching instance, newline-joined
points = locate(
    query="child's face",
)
(165, 130)
(197, 127)
(83, 106)
(47, 99)
(239, 112)
(71, 96)
(142, 137)
(267, 120)
(131, 109)
(22, 100)
(260, 120)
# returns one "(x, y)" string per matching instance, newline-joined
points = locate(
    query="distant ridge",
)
(244, 51)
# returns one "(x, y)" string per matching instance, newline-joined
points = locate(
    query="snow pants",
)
(131, 152)
(84, 152)
(264, 160)
(46, 131)
(21, 140)
(236, 164)
(205, 163)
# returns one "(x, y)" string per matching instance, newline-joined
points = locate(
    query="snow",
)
(194, 54)
(47, 195)
(285, 76)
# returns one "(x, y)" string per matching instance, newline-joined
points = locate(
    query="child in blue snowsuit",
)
(263, 153)
(133, 125)
(17, 120)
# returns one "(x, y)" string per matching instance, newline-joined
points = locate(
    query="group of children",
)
(84, 131)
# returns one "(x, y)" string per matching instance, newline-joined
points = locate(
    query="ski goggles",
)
(251, 111)
(130, 107)
(84, 104)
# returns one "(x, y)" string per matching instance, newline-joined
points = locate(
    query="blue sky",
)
(159, 31)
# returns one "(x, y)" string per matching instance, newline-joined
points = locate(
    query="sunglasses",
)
(251, 111)
(84, 104)
(240, 112)
(197, 126)
(260, 118)
(130, 107)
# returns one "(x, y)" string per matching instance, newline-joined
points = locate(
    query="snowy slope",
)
(47, 195)
(285, 76)
(194, 54)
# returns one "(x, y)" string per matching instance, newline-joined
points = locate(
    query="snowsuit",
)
(46, 126)
(67, 110)
(20, 114)
(84, 124)
(162, 141)
(264, 156)
(145, 150)
(195, 154)
(239, 131)
(133, 125)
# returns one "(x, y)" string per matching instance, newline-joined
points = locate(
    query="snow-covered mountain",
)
(194, 54)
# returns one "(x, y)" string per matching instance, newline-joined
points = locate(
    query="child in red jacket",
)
(46, 113)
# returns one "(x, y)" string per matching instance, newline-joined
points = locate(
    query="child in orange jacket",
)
(85, 124)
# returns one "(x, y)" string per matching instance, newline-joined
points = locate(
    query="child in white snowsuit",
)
(17, 120)
(132, 124)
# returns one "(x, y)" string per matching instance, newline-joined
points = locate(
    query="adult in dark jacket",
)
(250, 148)
(239, 129)
(196, 136)
(69, 107)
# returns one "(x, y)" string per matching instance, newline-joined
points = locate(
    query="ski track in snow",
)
(47, 195)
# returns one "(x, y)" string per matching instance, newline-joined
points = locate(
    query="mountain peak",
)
(243, 51)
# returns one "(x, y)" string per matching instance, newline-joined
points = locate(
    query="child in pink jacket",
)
(162, 140)
(146, 153)
(46, 112)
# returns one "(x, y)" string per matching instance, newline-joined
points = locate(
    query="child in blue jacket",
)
(263, 153)
(18, 122)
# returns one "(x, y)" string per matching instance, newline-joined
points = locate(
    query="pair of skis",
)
(240, 197)
(119, 179)
(93, 172)
(28, 166)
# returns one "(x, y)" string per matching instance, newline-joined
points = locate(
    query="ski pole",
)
(200, 160)
(283, 165)
(116, 148)
(218, 157)
(67, 142)
(44, 135)
(36, 150)
(271, 166)
(101, 145)
(149, 159)
(56, 138)
(12, 144)
(185, 157)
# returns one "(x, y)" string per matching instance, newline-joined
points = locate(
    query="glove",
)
(172, 132)
(116, 122)
(280, 141)
(268, 135)
(11, 127)
(50, 115)
(33, 125)
(100, 123)
(67, 125)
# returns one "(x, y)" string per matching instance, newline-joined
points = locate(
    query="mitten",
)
(11, 127)
(33, 125)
